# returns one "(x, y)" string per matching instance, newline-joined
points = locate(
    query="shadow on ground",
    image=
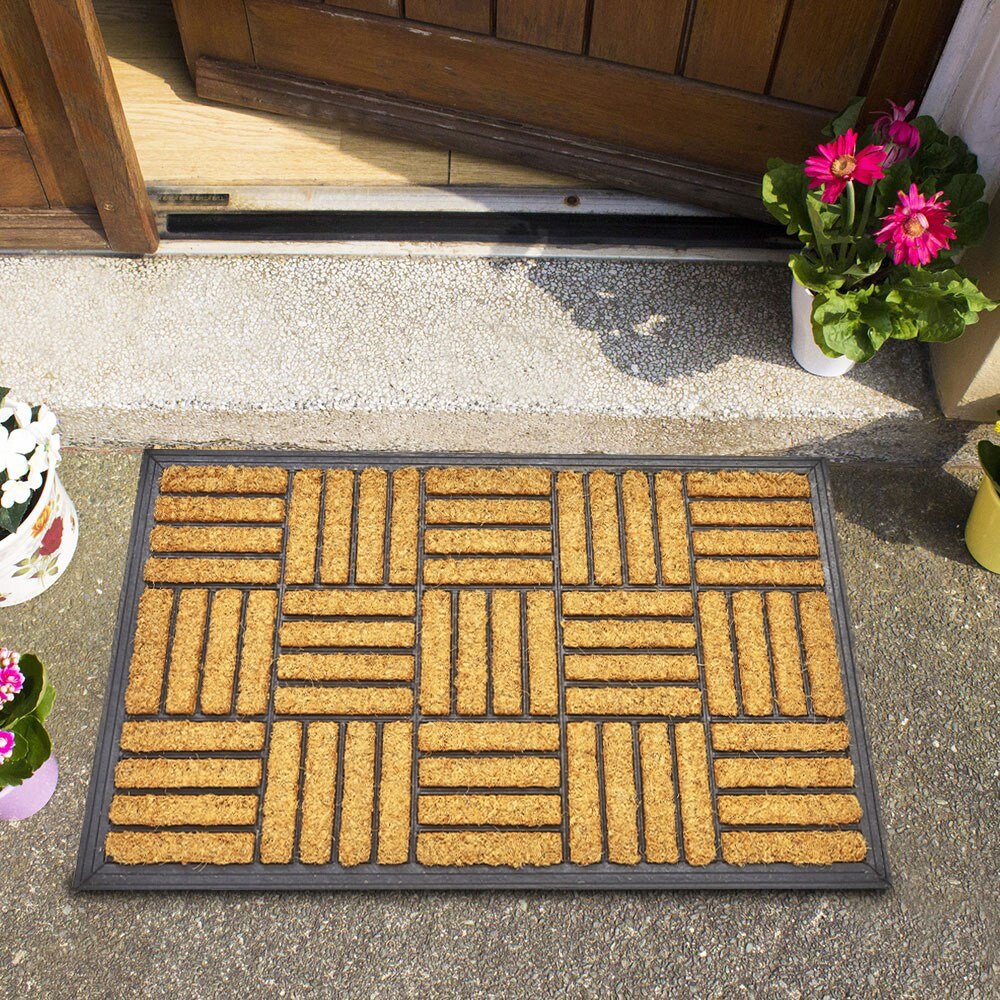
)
(899, 505)
(659, 321)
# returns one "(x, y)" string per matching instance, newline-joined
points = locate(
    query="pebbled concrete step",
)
(482, 354)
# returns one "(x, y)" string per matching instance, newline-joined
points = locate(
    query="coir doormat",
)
(378, 671)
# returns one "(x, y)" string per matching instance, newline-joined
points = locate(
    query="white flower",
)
(22, 413)
(43, 426)
(8, 409)
(14, 446)
(14, 491)
(53, 450)
(37, 464)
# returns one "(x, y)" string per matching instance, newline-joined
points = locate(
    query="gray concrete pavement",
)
(308, 351)
(928, 648)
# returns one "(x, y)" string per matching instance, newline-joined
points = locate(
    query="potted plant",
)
(38, 522)
(982, 530)
(880, 215)
(28, 771)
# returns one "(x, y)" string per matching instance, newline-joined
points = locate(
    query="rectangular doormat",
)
(366, 671)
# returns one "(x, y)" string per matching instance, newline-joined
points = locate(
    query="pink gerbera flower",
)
(840, 161)
(917, 228)
(6, 744)
(901, 136)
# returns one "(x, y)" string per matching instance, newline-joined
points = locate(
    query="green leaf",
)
(26, 700)
(970, 225)
(940, 156)
(839, 326)
(989, 458)
(813, 275)
(897, 178)
(11, 517)
(964, 189)
(44, 705)
(847, 118)
(36, 748)
(784, 194)
(935, 306)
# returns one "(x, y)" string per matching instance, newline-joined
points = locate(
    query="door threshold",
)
(473, 234)
(476, 199)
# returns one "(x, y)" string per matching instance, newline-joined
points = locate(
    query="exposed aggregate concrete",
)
(411, 352)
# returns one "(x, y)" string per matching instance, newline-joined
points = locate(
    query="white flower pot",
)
(804, 347)
(37, 554)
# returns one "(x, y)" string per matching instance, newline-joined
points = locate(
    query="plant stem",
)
(817, 229)
(848, 223)
(865, 211)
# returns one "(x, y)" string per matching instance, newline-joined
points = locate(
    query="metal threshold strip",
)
(454, 221)
(500, 234)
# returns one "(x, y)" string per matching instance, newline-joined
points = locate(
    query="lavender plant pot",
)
(24, 800)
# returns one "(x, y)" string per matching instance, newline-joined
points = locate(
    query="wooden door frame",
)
(59, 76)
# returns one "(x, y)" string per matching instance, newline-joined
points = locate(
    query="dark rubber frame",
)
(95, 873)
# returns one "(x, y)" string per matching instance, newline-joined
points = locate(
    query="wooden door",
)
(682, 98)
(69, 177)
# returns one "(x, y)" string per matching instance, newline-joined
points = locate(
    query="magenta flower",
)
(901, 136)
(840, 161)
(6, 744)
(917, 228)
(11, 682)
(11, 678)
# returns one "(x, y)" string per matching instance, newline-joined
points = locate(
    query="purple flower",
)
(900, 137)
(6, 744)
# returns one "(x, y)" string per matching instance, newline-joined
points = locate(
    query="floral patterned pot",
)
(37, 554)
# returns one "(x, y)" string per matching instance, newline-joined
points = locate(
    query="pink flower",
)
(6, 744)
(11, 682)
(839, 161)
(917, 228)
(11, 678)
(901, 136)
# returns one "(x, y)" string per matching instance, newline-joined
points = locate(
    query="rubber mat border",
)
(93, 872)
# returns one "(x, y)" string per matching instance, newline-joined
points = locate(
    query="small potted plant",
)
(38, 522)
(982, 531)
(880, 215)
(28, 771)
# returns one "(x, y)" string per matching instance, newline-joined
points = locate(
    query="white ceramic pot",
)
(804, 347)
(37, 554)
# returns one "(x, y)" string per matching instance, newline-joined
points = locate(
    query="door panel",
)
(7, 118)
(612, 104)
(660, 96)
(469, 15)
(559, 24)
(389, 8)
(827, 76)
(71, 178)
(733, 42)
(911, 48)
(20, 186)
(218, 29)
(650, 37)
(32, 87)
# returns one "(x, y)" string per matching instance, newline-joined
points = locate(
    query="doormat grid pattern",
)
(377, 671)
